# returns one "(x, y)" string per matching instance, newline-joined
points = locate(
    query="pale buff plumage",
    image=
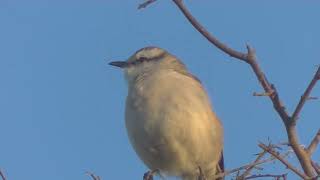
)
(169, 119)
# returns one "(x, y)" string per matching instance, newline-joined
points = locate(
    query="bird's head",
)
(148, 59)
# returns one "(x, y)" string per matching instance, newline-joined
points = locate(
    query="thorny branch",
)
(248, 170)
(277, 177)
(250, 165)
(284, 161)
(251, 59)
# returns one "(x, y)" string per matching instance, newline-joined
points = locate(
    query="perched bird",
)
(169, 118)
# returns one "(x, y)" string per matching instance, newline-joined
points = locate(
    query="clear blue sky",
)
(62, 106)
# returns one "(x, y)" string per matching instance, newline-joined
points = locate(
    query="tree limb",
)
(314, 143)
(250, 58)
(270, 90)
(207, 35)
(284, 161)
(305, 96)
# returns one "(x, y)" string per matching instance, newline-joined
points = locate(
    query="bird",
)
(169, 118)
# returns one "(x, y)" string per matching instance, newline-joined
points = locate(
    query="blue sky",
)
(62, 106)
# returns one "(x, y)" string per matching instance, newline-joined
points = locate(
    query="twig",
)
(2, 175)
(253, 164)
(247, 171)
(312, 98)
(316, 167)
(283, 176)
(250, 58)
(314, 143)
(262, 94)
(284, 161)
(146, 3)
(305, 96)
(94, 177)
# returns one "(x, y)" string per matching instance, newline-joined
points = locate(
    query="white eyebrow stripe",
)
(144, 59)
(149, 52)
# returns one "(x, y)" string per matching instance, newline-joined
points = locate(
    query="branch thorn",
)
(146, 3)
(262, 94)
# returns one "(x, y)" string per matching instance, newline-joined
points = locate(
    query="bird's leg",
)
(201, 175)
(149, 175)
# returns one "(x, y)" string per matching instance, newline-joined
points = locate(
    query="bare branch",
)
(250, 58)
(316, 167)
(253, 164)
(312, 98)
(284, 161)
(2, 175)
(301, 154)
(248, 170)
(207, 35)
(262, 94)
(314, 143)
(94, 177)
(305, 96)
(146, 3)
(283, 176)
(269, 88)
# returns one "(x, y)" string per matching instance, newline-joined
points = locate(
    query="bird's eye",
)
(142, 59)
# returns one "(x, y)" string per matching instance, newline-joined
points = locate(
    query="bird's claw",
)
(149, 175)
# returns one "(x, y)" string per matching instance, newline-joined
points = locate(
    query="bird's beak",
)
(120, 64)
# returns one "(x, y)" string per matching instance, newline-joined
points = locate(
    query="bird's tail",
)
(220, 167)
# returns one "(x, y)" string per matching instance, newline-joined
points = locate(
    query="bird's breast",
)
(170, 123)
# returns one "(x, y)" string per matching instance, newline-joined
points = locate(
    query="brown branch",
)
(283, 176)
(269, 88)
(207, 35)
(250, 58)
(305, 96)
(146, 3)
(314, 143)
(2, 175)
(301, 154)
(284, 161)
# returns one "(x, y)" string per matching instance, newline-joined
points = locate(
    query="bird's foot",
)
(149, 175)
